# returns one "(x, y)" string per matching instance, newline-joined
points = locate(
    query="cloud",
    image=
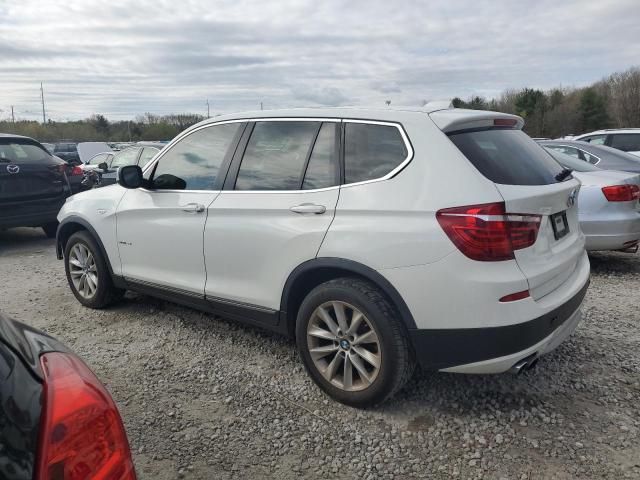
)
(123, 58)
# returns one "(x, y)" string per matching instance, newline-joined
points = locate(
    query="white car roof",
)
(441, 112)
(607, 131)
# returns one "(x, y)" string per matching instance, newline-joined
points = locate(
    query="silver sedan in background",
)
(608, 205)
(604, 157)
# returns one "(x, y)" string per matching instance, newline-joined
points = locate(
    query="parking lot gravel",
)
(207, 398)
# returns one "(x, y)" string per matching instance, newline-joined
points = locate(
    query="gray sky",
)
(124, 58)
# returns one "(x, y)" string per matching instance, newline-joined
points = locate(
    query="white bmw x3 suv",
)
(378, 239)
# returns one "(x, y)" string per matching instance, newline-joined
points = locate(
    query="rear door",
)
(531, 182)
(278, 202)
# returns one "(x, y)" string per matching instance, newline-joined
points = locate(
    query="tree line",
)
(613, 102)
(99, 128)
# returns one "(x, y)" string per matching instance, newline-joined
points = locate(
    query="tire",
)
(50, 229)
(392, 351)
(83, 244)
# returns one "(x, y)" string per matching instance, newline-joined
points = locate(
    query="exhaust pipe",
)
(526, 363)
(630, 247)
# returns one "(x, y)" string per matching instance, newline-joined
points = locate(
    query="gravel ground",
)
(206, 398)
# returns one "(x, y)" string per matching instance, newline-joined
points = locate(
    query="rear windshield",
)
(508, 157)
(21, 151)
(66, 147)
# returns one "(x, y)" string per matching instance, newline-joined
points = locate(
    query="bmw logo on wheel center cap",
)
(344, 344)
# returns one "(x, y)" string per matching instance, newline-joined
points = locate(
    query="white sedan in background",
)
(608, 205)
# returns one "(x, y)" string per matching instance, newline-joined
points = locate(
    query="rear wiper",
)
(564, 174)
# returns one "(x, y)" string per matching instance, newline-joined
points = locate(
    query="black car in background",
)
(57, 421)
(33, 184)
(68, 152)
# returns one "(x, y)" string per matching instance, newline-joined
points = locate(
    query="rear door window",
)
(276, 155)
(371, 151)
(627, 142)
(507, 157)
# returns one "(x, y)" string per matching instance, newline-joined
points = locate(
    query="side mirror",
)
(129, 176)
(103, 166)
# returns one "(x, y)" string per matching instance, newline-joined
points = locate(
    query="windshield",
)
(21, 151)
(507, 157)
(125, 157)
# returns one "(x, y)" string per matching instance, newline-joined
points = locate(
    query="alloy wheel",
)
(83, 270)
(344, 346)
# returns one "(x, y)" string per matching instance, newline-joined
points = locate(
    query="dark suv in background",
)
(68, 152)
(33, 184)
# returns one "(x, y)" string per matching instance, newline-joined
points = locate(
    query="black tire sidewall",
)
(390, 366)
(101, 297)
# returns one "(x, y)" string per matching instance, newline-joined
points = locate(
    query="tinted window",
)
(371, 151)
(194, 162)
(20, 151)
(147, 154)
(275, 155)
(65, 147)
(322, 170)
(125, 157)
(571, 162)
(627, 142)
(507, 157)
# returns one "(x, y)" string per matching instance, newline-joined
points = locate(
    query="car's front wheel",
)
(352, 342)
(87, 272)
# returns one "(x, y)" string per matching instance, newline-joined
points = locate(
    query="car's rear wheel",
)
(87, 272)
(352, 342)
(50, 229)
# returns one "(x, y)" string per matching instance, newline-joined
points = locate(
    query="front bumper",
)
(495, 349)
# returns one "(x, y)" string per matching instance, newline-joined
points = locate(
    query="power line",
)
(44, 119)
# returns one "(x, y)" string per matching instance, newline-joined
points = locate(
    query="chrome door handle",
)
(193, 208)
(309, 208)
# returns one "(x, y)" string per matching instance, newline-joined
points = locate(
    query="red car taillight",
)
(76, 171)
(621, 193)
(81, 433)
(486, 232)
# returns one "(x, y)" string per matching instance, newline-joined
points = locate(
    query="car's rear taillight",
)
(81, 433)
(486, 232)
(76, 170)
(621, 193)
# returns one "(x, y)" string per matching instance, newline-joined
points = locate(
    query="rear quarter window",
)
(371, 151)
(507, 157)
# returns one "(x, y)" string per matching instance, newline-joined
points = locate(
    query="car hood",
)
(29, 343)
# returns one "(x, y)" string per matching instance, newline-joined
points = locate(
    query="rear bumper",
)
(495, 349)
(611, 234)
(30, 213)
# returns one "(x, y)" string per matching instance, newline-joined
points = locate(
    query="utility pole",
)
(44, 119)
(208, 115)
(13, 118)
(260, 105)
